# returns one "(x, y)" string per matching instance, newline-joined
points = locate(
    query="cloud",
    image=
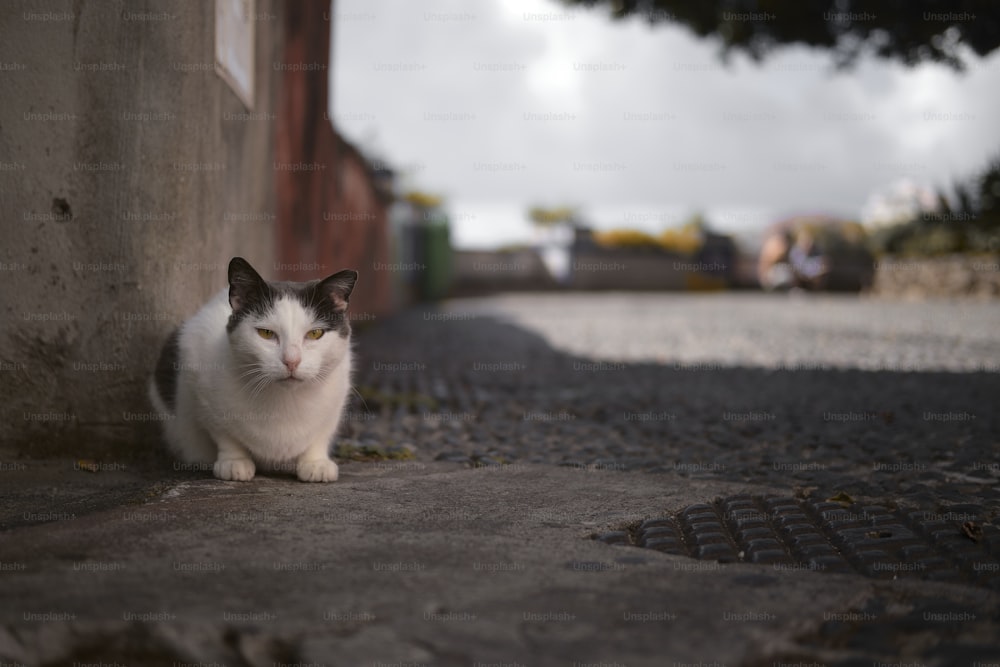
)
(503, 104)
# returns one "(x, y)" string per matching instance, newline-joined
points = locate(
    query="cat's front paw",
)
(236, 470)
(318, 470)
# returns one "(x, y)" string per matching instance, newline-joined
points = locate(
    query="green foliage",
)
(514, 247)
(695, 224)
(626, 238)
(911, 32)
(544, 217)
(375, 399)
(423, 199)
(923, 237)
(969, 223)
(685, 240)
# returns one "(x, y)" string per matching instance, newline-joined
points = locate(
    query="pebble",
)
(746, 420)
(453, 457)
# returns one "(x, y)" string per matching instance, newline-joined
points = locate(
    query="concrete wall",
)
(130, 175)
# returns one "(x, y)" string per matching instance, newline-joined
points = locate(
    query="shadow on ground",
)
(485, 391)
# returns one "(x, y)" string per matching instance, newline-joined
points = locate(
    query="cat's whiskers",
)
(363, 401)
(249, 379)
(256, 381)
(252, 366)
(262, 382)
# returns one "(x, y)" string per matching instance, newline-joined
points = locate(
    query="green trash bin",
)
(437, 257)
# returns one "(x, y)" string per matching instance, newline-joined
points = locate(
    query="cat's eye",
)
(315, 334)
(266, 334)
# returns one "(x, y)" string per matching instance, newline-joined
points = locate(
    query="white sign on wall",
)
(234, 52)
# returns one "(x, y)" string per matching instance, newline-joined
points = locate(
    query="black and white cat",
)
(259, 376)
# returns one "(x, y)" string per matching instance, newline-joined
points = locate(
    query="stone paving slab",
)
(442, 565)
(38, 491)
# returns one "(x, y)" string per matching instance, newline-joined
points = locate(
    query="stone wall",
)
(130, 173)
(628, 270)
(941, 277)
(485, 271)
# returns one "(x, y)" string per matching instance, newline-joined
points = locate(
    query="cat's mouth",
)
(290, 380)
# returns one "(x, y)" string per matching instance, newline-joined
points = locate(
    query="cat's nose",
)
(292, 363)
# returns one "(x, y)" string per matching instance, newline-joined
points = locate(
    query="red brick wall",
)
(330, 215)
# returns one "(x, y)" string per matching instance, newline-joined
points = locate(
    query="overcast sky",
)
(500, 104)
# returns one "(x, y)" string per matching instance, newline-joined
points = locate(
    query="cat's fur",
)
(240, 400)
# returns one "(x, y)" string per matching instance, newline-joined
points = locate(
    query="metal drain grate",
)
(824, 536)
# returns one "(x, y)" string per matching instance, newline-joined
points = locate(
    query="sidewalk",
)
(475, 544)
(441, 565)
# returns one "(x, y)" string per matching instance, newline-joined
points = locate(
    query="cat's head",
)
(287, 333)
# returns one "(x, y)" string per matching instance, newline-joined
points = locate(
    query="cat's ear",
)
(338, 288)
(245, 285)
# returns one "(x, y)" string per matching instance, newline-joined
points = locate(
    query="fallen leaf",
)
(876, 534)
(87, 464)
(972, 530)
(841, 497)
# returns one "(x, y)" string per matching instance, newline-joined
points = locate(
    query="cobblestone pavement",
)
(886, 400)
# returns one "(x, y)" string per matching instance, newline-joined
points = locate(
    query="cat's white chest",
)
(281, 423)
